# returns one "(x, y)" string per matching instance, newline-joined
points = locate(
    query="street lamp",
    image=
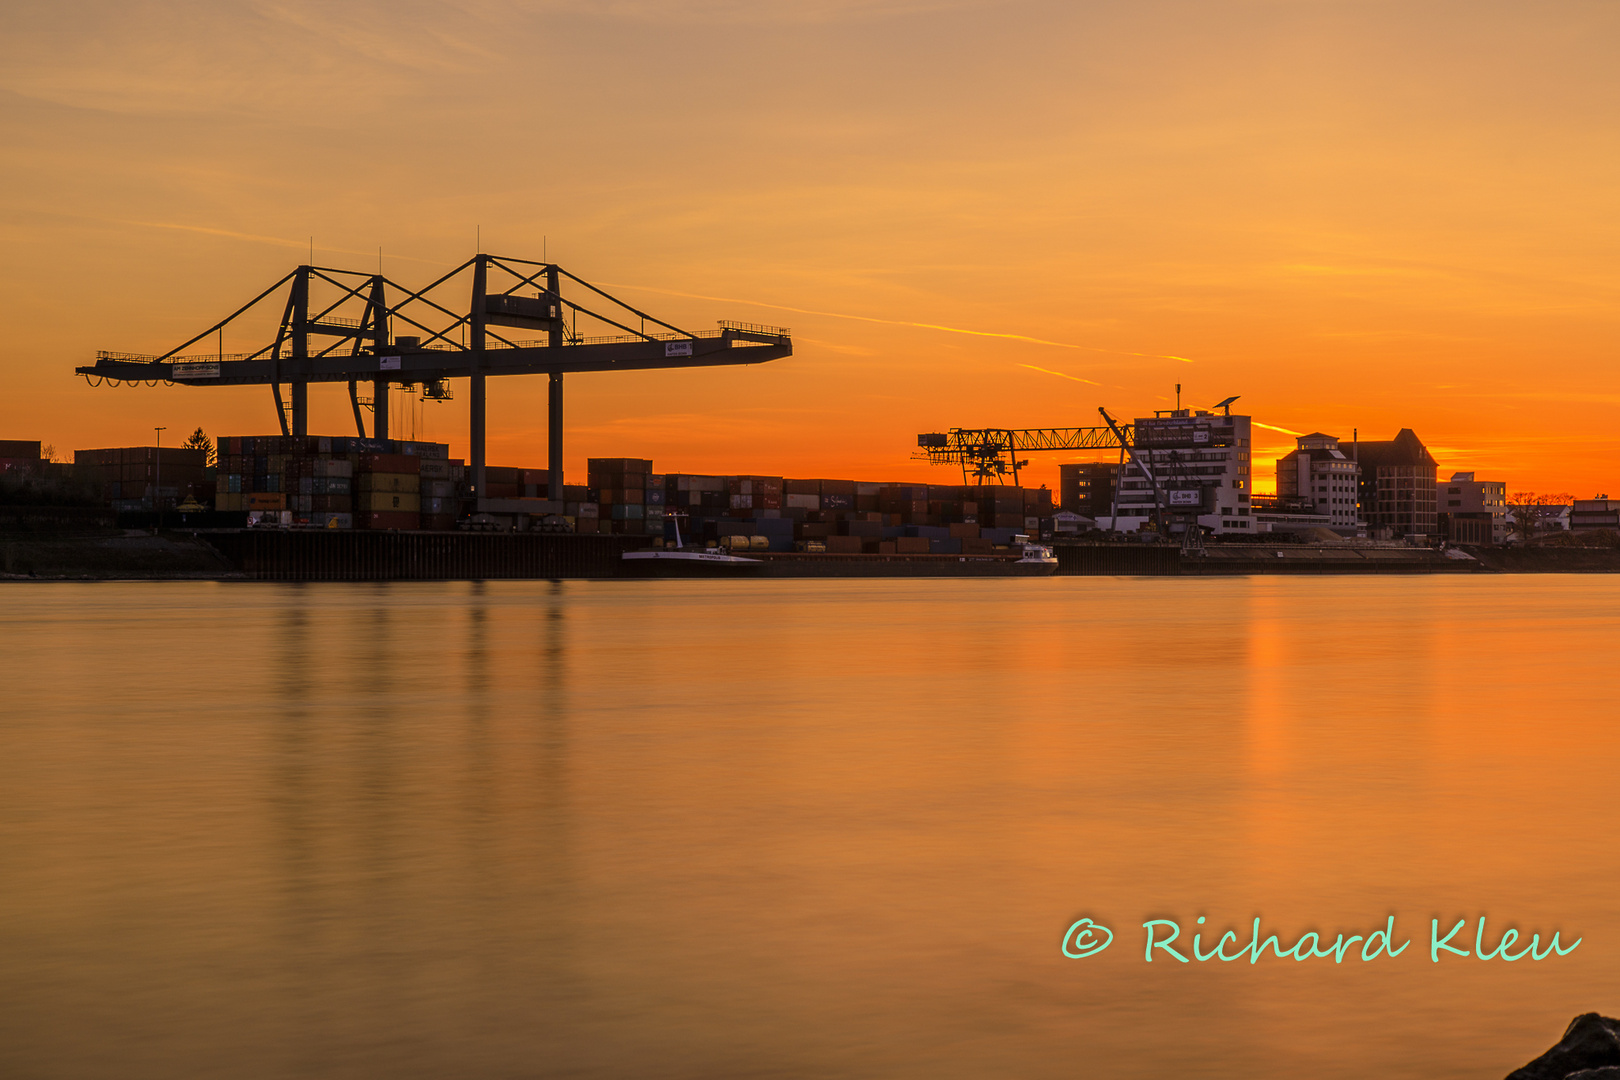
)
(157, 487)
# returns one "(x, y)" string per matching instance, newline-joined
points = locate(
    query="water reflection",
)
(698, 829)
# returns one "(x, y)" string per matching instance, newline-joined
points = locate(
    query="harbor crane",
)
(344, 326)
(992, 455)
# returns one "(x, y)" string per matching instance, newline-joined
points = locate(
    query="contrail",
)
(280, 242)
(1274, 427)
(1059, 374)
(302, 245)
(890, 322)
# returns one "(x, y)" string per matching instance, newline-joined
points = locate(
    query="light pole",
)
(157, 487)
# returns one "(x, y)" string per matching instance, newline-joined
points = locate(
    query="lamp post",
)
(157, 487)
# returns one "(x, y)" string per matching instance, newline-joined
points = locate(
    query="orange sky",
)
(1355, 215)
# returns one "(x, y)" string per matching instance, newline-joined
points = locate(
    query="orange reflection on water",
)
(692, 829)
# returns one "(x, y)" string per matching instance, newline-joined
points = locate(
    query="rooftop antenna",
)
(1178, 397)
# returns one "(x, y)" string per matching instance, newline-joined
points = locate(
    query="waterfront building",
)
(1601, 512)
(1463, 502)
(1087, 488)
(1317, 473)
(1201, 461)
(1398, 484)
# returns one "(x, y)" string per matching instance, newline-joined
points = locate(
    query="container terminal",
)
(298, 505)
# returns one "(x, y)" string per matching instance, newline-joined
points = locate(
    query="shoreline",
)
(307, 556)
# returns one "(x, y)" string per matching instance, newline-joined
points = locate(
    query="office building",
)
(1462, 502)
(1398, 485)
(1319, 475)
(1200, 462)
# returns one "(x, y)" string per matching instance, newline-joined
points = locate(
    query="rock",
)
(1589, 1050)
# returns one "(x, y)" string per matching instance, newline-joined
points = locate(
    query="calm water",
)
(797, 829)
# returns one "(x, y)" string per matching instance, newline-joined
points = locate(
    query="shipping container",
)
(395, 464)
(388, 481)
(369, 502)
(438, 489)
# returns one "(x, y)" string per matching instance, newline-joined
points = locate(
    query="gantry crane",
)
(360, 314)
(991, 455)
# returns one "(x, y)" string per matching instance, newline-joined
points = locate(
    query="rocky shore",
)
(1589, 1050)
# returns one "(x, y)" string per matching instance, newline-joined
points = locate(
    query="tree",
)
(1529, 510)
(200, 441)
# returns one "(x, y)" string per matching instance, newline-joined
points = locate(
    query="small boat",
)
(676, 561)
(1036, 558)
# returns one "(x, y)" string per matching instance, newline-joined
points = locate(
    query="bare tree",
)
(200, 441)
(1530, 509)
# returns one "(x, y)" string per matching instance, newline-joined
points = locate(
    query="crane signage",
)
(1186, 498)
(194, 371)
(677, 348)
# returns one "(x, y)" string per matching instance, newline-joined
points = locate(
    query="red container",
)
(390, 463)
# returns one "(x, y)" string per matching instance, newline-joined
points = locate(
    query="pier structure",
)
(369, 332)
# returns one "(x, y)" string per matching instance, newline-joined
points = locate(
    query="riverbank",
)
(110, 555)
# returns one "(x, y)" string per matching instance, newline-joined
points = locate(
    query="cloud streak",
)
(891, 322)
(1059, 374)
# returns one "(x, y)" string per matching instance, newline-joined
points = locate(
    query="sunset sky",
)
(1356, 215)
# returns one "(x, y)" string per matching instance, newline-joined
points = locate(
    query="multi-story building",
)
(1599, 513)
(1319, 474)
(1464, 499)
(1200, 461)
(1398, 485)
(1087, 488)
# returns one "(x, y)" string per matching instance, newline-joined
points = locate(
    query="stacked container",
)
(336, 482)
(129, 476)
(388, 492)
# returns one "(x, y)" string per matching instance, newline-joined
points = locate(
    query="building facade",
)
(1599, 513)
(1087, 488)
(1319, 474)
(1200, 461)
(1398, 485)
(1462, 498)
